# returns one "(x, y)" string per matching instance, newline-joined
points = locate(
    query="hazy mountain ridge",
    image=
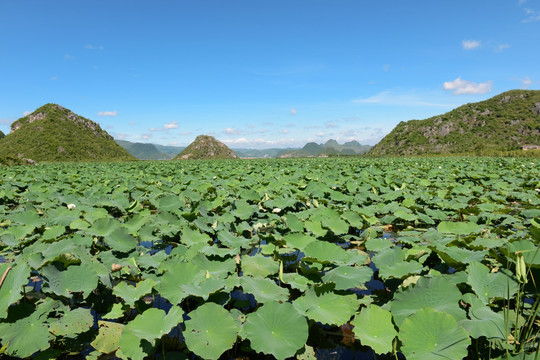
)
(504, 122)
(330, 148)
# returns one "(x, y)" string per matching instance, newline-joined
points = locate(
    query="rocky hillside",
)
(206, 147)
(53, 133)
(505, 122)
(330, 148)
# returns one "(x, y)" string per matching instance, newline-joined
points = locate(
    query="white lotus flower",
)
(71, 206)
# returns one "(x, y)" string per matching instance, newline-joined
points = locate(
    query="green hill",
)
(53, 133)
(330, 148)
(206, 147)
(143, 151)
(505, 122)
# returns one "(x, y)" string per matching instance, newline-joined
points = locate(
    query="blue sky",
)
(262, 73)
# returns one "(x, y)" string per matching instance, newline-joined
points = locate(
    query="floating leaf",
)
(25, 336)
(73, 322)
(264, 289)
(108, 339)
(210, 331)
(430, 334)
(329, 308)
(458, 228)
(373, 327)
(16, 276)
(130, 294)
(488, 285)
(259, 265)
(276, 329)
(75, 278)
(348, 277)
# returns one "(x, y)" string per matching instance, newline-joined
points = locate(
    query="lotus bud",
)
(521, 268)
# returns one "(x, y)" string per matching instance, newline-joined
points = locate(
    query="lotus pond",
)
(399, 258)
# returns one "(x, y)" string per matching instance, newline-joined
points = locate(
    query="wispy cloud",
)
(330, 124)
(386, 67)
(171, 125)
(132, 123)
(293, 111)
(69, 57)
(232, 131)
(532, 15)
(470, 44)
(285, 131)
(185, 133)
(259, 143)
(460, 87)
(26, 113)
(108, 113)
(5, 121)
(391, 98)
(54, 78)
(93, 47)
(501, 47)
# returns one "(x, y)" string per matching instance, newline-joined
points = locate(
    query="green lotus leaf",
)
(170, 203)
(297, 281)
(276, 329)
(530, 251)
(298, 240)
(437, 293)
(488, 285)
(216, 269)
(242, 210)
(73, 322)
(132, 347)
(79, 224)
(192, 237)
(53, 232)
(404, 215)
(108, 339)
(233, 242)
(458, 228)
(203, 289)
(431, 334)
(332, 220)
(19, 232)
(259, 265)
(117, 311)
(392, 264)
(325, 252)
(76, 278)
(328, 308)
(176, 276)
(455, 256)
(25, 336)
(294, 223)
(315, 228)
(11, 290)
(130, 293)
(103, 226)
(348, 277)
(378, 244)
(210, 331)
(373, 327)
(483, 321)
(30, 218)
(264, 289)
(121, 240)
(154, 323)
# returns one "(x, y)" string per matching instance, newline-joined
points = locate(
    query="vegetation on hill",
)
(53, 133)
(143, 151)
(503, 123)
(330, 148)
(2, 135)
(206, 147)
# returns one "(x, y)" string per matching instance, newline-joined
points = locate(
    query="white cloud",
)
(146, 136)
(527, 81)
(132, 123)
(259, 143)
(386, 67)
(171, 125)
(285, 131)
(330, 124)
(470, 44)
(185, 133)
(532, 15)
(232, 131)
(502, 47)
(26, 113)
(320, 133)
(93, 47)
(460, 87)
(390, 98)
(293, 111)
(108, 113)
(54, 78)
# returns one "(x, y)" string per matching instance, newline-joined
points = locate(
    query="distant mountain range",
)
(146, 151)
(506, 122)
(206, 147)
(330, 148)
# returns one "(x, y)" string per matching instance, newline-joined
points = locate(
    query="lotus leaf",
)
(483, 321)
(52, 233)
(328, 308)
(210, 331)
(348, 277)
(264, 289)
(488, 285)
(130, 293)
(121, 240)
(73, 322)
(276, 329)
(259, 266)
(298, 240)
(392, 264)
(154, 323)
(430, 334)
(437, 293)
(458, 228)
(76, 278)
(325, 252)
(373, 327)
(25, 336)
(16, 277)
